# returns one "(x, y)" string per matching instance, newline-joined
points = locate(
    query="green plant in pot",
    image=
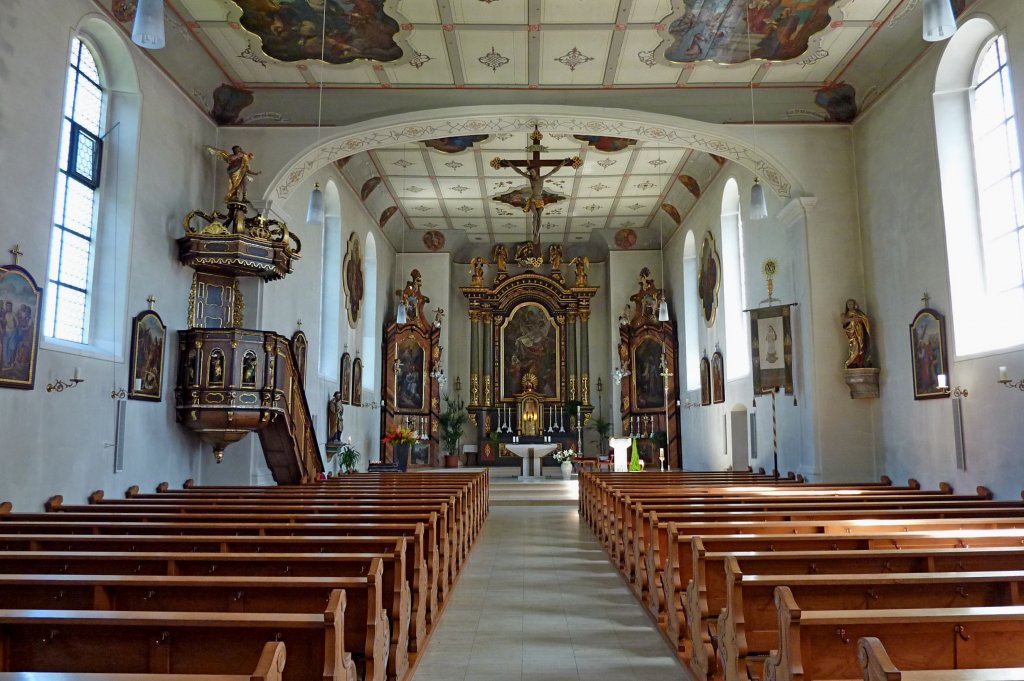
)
(453, 426)
(603, 428)
(347, 458)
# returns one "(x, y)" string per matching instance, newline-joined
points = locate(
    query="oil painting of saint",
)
(649, 381)
(709, 279)
(147, 367)
(409, 377)
(529, 342)
(928, 354)
(352, 271)
(19, 323)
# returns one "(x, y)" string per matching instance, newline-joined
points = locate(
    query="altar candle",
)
(943, 381)
(1004, 375)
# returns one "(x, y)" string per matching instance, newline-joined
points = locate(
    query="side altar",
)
(529, 352)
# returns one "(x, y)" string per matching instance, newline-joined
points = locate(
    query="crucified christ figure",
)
(531, 169)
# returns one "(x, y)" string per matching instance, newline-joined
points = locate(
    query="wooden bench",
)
(821, 644)
(395, 592)
(878, 666)
(367, 630)
(175, 642)
(747, 626)
(269, 667)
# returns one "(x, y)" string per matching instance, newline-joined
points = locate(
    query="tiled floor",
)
(539, 601)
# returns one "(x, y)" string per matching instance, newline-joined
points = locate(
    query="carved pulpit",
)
(648, 350)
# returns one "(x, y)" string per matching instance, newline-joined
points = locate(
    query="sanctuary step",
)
(511, 492)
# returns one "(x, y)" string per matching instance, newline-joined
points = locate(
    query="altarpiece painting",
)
(529, 345)
(147, 361)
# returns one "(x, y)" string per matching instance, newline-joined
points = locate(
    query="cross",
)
(16, 252)
(533, 165)
(151, 300)
(298, 323)
(665, 373)
(925, 298)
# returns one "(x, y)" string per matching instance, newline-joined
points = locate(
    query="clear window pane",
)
(70, 315)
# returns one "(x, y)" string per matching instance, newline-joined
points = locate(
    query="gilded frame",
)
(18, 288)
(928, 356)
(771, 365)
(507, 352)
(357, 382)
(146, 369)
(353, 279)
(717, 378)
(705, 381)
(345, 379)
(300, 348)
(642, 371)
(709, 279)
(412, 378)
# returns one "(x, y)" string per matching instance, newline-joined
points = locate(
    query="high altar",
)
(529, 350)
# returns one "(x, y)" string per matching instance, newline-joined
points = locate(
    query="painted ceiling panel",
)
(862, 10)
(419, 12)
(638, 63)
(573, 57)
(578, 11)
(650, 11)
(458, 189)
(462, 164)
(494, 12)
(427, 65)
(715, 74)
(494, 57)
(399, 163)
(593, 208)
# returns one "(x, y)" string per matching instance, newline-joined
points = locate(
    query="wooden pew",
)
(878, 666)
(704, 590)
(746, 629)
(317, 537)
(821, 644)
(367, 630)
(395, 597)
(175, 642)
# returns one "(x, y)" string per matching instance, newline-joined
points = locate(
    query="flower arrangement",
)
(564, 455)
(399, 435)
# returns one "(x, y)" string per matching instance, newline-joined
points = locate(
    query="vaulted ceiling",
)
(337, 62)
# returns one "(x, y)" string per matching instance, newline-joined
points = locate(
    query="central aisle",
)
(538, 601)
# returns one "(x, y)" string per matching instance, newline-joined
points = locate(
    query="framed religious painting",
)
(648, 377)
(357, 382)
(928, 354)
(345, 380)
(411, 374)
(709, 279)
(717, 378)
(771, 349)
(300, 348)
(705, 381)
(146, 370)
(352, 279)
(19, 327)
(530, 344)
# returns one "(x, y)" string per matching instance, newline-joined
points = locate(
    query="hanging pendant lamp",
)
(663, 311)
(758, 205)
(148, 29)
(939, 22)
(315, 212)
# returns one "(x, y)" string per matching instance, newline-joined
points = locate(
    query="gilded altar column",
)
(474, 358)
(488, 365)
(584, 357)
(571, 351)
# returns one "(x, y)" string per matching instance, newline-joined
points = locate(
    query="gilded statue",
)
(858, 335)
(476, 271)
(239, 172)
(582, 264)
(500, 257)
(555, 257)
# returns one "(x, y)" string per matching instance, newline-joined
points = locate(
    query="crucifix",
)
(530, 168)
(151, 300)
(16, 252)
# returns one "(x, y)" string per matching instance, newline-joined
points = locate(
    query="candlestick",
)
(1004, 375)
(661, 458)
(943, 381)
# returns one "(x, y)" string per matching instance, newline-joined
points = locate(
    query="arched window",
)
(690, 306)
(330, 286)
(980, 166)
(76, 205)
(94, 198)
(370, 340)
(737, 362)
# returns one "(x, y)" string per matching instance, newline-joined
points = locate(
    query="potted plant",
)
(565, 458)
(402, 437)
(347, 458)
(453, 426)
(603, 428)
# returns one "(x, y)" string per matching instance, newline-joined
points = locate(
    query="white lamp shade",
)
(315, 212)
(148, 30)
(663, 311)
(758, 205)
(402, 317)
(939, 22)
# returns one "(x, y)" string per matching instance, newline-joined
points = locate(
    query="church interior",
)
(412, 249)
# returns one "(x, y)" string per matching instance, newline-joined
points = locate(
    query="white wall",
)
(905, 256)
(61, 442)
